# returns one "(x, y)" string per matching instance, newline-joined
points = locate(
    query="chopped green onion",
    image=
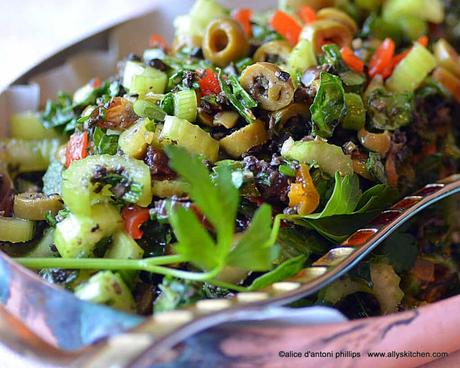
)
(185, 104)
(287, 170)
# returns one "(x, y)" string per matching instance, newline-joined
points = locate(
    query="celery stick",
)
(185, 105)
(189, 136)
(76, 236)
(430, 10)
(355, 116)
(410, 72)
(106, 287)
(329, 157)
(16, 230)
(27, 126)
(28, 155)
(302, 57)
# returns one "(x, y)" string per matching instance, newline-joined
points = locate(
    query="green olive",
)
(35, 206)
(276, 52)
(447, 57)
(269, 85)
(204, 118)
(338, 16)
(244, 139)
(281, 117)
(326, 31)
(227, 119)
(224, 41)
(376, 142)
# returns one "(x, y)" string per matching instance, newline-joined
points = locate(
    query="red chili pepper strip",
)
(158, 41)
(209, 84)
(307, 13)
(286, 26)
(382, 60)
(352, 61)
(133, 218)
(243, 16)
(77, 148)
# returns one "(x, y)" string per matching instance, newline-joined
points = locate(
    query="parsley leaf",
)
(58, 113)
(104, 143)
(328, 106)
(401, 250)
(287, 269)
(238, 97)
(217, 198)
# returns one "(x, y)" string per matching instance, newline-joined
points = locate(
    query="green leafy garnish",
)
(328, 106)
(285, 270)
(401, 251)
(218, 201)
(238, 97)
(104, 143)
(58, 113)
(390, 111)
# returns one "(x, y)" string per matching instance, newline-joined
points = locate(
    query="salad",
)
(240, 153)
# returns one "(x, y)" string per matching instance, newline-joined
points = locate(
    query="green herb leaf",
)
(253, 251)
(285, 270)
(328, 106)
(390, 110)
(58, 113)
(344, 198)
(238, 97)
(401, 251)
(104, 143)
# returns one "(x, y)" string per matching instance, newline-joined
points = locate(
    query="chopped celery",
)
(412, 70)
(44, 248)
(169, 188)
(134, 140)
(185, 104)
(139, 79)
(84, 95)
(329, 157)
(16, 230)
(106, 287)
(302, 57)
(148, 109)
(27, 126)
(355, 115)
(189, 136)
(386, 287)
(124, 247)
(413, 27)
(195, 23)
(78, 190)
(76, 236)
(430, 10)
(28, 155)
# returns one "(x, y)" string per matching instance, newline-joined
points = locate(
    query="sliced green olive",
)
(16, 230)
(447, 57)
(376, 142)
(327, 31)
(204, 118)
(281, 117)
(269, 85)
(448, 80)
(339, 16)
(276, 52)
(227, 119)
(244, 139)
(35, 206)
(224, 41)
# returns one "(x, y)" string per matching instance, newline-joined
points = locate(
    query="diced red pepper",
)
(243, 16)
(133, 218)
(209, 84)
(307, 13)
(95, 83)
(77, 148)
(423, 40)
(352, 61)
(286, 26)
(382, 60)
(158, 41)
